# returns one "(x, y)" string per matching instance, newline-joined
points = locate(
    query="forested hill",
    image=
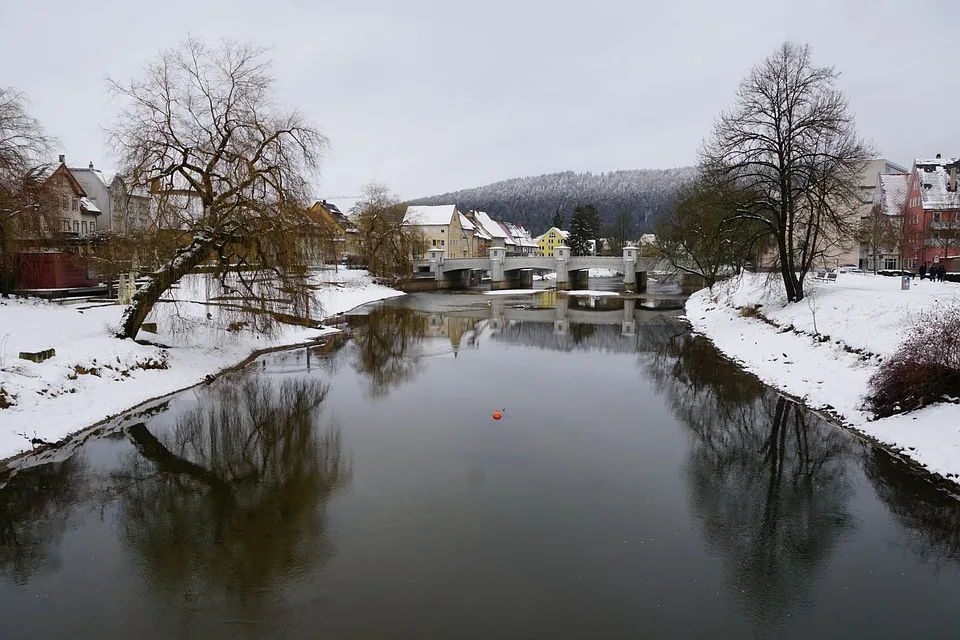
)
(532, 201)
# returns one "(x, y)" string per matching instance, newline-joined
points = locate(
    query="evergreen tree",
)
(558, 219)
(585, 225)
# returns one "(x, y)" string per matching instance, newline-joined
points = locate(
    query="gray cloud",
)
(431, 96)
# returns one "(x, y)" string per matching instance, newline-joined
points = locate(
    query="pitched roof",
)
(520, 235)
(894, 188)
(934, 177)
(422, 215)
(490, 226)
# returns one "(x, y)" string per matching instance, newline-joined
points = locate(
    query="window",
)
(916, 219)
(66, 226)
(434, 242)
(912, 263)
(442, 230)
(936, 235)
(890, 263)
(65, 203)
(76, 226)
(936, 216)
(441, 243)
(76, 205)
(83, 225)
(93, 226)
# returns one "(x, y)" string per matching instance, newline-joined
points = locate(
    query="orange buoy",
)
(497, 415)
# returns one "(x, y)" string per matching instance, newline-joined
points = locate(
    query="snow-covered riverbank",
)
(95, 375)
(865, 317)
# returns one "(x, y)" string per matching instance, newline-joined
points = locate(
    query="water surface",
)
(638, 486)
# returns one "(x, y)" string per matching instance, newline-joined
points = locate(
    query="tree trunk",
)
(4, 289)
(161, 280)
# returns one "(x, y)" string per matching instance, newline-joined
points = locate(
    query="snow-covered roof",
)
(509, 236)
(894, 188)
(520, 235)
(466, 224)
(87, 204)
(493, 229)
(563, 234)
(344, 204)
(934, 177)
(424, 216)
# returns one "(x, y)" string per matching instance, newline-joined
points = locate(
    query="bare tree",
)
(703, 235)
(229, 170)
(23, 145)
(790, 139)
(386, 244)
(881, 233)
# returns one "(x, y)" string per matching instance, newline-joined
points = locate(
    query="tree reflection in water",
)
(34, 516)
(767, 480)
(930, 515)
(387, 345)
(231, 500)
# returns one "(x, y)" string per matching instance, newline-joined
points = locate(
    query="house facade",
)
(433, 222)
(122, 209)
(550, 240)
(931, 226)
(341, 237)
(71, 212)
(889, 199)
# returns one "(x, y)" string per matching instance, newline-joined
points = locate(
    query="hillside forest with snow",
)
(532, 201)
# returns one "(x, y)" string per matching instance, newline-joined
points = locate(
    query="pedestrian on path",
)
(923, 270)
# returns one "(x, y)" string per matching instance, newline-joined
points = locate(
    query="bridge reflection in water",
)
(563, 311)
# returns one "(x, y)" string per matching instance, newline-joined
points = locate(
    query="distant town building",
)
(550, 240)
(932, 229)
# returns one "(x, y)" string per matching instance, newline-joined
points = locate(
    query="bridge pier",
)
(562, 256)
(580, 279)
(497, 318)
(633, 280)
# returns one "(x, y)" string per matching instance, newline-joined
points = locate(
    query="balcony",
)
(940, 226)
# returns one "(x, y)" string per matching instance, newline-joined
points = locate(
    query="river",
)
(637, 486)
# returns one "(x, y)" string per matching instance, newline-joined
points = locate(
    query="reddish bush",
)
(923, 370)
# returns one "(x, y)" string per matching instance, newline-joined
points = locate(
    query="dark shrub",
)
(924, 369)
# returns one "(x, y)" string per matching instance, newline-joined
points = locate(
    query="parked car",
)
(849, 268)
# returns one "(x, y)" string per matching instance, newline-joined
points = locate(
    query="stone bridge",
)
(517, 271)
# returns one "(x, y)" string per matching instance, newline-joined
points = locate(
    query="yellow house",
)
(551, 240)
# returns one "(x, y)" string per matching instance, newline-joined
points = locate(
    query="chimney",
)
(63, 158)
(938, 156)
(91, 166)
(953, 178)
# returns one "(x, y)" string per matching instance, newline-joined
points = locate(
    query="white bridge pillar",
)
(498, 279)
(630, 268)
(436, 263)
(629, 325)
(562, 255)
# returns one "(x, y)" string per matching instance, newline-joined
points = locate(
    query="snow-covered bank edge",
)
(70, 443)
(831, 378)
(55, 405)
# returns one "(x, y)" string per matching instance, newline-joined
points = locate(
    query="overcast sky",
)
(429, 96)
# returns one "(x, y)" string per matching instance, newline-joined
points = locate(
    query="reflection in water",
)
(769, 485)
(930, 516)
(232, 498)
(389, 343)
(387, 346)
(34, 514)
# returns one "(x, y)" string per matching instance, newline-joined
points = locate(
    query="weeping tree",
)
(386, 243)
(229, 172)
(790, 139)
(23, 145)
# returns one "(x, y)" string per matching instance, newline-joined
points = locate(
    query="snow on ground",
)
(858, 312)
(95, 375)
